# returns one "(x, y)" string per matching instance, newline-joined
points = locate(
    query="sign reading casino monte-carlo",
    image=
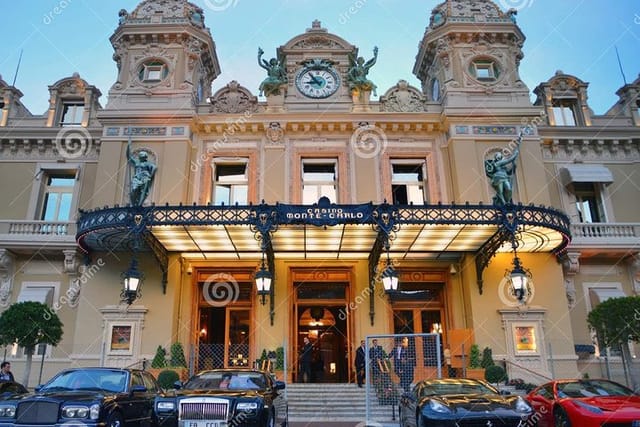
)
(322, 214)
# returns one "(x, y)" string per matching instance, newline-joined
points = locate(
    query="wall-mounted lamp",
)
(131, 283)
(519, 278)
(389, 276)
(263, 281)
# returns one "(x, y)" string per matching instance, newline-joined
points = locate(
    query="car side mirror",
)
(279, 385)
(138, 389)
(177, 385)
(37, 388)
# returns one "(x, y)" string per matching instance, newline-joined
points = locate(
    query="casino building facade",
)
(325, 188)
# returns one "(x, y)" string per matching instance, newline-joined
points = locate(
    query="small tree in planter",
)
(177, 356)
(475, 369)
(487, 358)
(495, 374)
(160, 359)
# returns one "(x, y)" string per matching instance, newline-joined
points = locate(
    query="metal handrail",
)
(527, 369)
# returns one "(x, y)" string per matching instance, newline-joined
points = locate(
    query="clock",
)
(319, 81)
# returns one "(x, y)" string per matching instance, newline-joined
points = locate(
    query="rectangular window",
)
(408, 182)
(484, 70)
(564, 112)
(72, 114)
(319, 179)
(231, 183)
(58, 197)
(588, 202)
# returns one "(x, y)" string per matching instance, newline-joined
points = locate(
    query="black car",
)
(105, 397)
(10, 389)
(224, 397)
(454, 402)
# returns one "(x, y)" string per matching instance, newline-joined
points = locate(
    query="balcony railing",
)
(603, 234)
(41, 233)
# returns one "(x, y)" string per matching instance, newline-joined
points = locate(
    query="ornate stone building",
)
(323, 185)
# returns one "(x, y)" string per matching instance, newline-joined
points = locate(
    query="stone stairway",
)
(334, 402)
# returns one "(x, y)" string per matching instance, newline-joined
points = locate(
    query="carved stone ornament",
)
(570, 291)
(403, 98)
(233, 99)
(71, 262)
(7, 267)
(275, 133)
(635, 271)
(317, 41)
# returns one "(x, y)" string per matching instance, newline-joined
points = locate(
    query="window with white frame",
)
(484, 70)
(319, 179)
(153, 71)
(44, 293)
(230, 182)
(71, 114)
(54, 196)
(408, 181)
(564, 112)
(589, 202)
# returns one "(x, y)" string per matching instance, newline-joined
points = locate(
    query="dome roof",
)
(479, 11)
(168, 10)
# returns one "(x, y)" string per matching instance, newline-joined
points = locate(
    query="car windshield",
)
(592, 388)
(432, 388)
(227, 380)
(88, 379)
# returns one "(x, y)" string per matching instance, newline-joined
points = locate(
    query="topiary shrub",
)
(474, 357)
(280, 358)
(177, 356)
(160, 359)
(167, 378)
(487, 358)
(495, 374)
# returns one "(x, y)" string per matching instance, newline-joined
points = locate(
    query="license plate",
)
(205, 424)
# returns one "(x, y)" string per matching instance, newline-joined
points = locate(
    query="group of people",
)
(403, 361)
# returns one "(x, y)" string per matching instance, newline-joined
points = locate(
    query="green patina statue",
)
(276, 75)
(500, 170)
(143, 172)
(357, 75)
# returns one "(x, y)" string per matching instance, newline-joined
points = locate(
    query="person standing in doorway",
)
(403, 363)
(360, 363)
(5, 372)
(305, 361)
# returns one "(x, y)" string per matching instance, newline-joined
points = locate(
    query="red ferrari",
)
(584, 403)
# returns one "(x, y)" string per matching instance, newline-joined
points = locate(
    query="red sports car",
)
(584, 403)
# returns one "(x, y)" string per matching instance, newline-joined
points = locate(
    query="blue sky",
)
(60, 37)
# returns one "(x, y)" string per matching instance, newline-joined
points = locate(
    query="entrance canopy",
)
(324, 230)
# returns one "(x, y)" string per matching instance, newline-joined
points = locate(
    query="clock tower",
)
(317, 63)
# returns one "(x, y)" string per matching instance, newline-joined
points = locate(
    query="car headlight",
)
(165, 406)
(439, 407)
(75, 411)
(94, 411)
(247, 406)
(7, 411)
(522, 406)
(588, 407)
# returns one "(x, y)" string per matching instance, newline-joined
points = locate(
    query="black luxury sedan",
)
(453, 402)
(224, 397)
(87, 397)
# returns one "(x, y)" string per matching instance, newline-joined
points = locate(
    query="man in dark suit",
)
(305, 361)
(360, 363)
(403, 363)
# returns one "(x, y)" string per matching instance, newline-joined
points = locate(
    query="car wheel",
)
(561, 419)
(114, 420)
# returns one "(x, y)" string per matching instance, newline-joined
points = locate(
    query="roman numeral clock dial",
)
(317, 82)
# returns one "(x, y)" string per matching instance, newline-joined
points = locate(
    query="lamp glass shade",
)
(263, 281)
(389, 279)
(131, 283)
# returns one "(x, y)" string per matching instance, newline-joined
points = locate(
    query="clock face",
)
(317, 83)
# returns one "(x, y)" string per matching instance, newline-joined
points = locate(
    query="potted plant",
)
(475, 369)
